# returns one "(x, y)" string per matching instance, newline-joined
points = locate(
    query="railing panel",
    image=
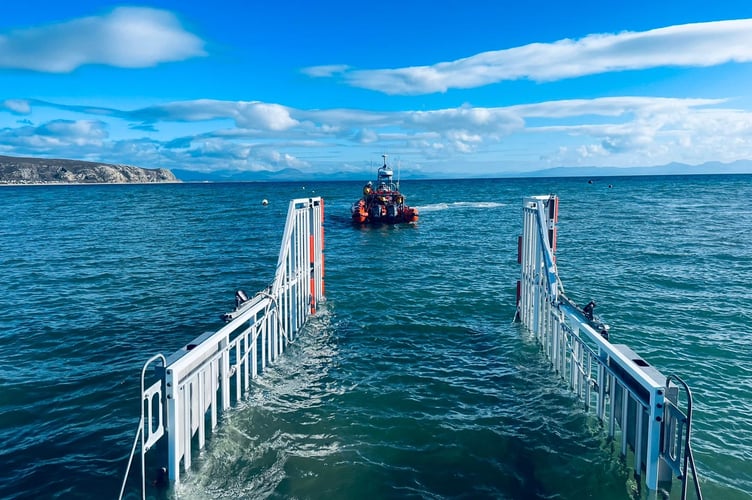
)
(628, 394)
(216, 368)
(152, 399)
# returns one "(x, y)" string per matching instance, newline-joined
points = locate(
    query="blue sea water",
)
(412, 381)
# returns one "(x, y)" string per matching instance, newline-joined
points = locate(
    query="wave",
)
(435, 207)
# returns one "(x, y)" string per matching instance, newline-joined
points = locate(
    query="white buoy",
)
(265, 202)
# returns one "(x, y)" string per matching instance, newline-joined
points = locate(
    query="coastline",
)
(13, 184)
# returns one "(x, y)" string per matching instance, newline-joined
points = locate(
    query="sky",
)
(458, 88)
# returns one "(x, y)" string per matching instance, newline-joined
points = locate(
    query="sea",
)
(412, 380)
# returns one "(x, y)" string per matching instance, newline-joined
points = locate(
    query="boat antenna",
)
(399, 169)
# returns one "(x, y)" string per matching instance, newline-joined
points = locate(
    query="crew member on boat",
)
(367, 188)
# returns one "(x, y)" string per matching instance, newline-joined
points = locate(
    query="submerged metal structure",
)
(183, 394)
(638, 405)
(186, 391)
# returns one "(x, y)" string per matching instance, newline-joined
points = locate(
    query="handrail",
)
(140, 433)
(688, 456)
(548, 258)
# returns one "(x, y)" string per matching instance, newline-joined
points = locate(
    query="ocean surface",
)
(412, 381)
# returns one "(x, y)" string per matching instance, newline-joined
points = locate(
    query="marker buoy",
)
(265, 202)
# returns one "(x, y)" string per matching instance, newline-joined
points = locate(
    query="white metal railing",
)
(676, 437)
(147, 435)
(214, 371)
(625, 392)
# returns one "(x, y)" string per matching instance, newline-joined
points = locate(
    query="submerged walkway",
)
(183, 394)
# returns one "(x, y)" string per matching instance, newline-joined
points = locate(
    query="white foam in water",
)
(434, 207)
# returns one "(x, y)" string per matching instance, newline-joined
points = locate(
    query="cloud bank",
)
(251, 135)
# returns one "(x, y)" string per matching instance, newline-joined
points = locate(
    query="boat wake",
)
(435, 207)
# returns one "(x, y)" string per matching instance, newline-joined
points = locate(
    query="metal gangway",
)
(183, 394)
(639, 407)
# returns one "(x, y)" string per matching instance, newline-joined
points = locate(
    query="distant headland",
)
(21, 171)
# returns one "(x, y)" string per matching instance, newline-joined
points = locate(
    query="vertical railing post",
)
(224, 375)
(655, 421)
(174, 426)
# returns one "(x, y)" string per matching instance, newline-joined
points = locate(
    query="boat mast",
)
(399, 169)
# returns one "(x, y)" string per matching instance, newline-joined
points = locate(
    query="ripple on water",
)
(413, 382)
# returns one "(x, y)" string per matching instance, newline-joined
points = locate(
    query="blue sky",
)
(452, 87)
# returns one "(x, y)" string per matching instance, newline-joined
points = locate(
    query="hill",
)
(26, 170)
(20, 170)
(289, 174)
(708, 168)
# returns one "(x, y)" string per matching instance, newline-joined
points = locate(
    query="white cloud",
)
(128, 37)
(206, 134)
(324, 71)
(688, 45)
(463, 129)
(265, 116)
(655, 133)
(482, 120)
(608, 106)
(56, 134)
(366, 136)
(589, 151)
(185, 111)
(245, 114)
(17, 106)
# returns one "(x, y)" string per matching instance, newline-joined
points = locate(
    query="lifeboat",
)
(383, 203)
